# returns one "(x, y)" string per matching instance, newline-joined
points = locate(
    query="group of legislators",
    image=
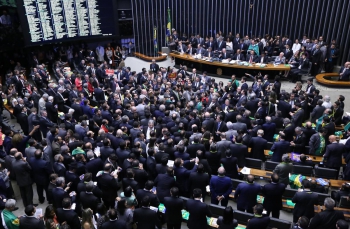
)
(106, 149)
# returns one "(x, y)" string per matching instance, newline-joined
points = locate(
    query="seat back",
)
(344, 202)
(289, 193)
(270, 165)
(303, 170)
(216, 210)
(236, 182)
(253, 163)
(279, 223)
(321, 198)
(242, 217)
(326, 173)
(269, 145)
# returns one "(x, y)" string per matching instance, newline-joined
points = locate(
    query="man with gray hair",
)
(60, 192)
(288, 130)
(94, 165)
(269, 129)
(42, 102)
(87, 198)
(58, 166)
(231, 132)
(299, 142)
(9, 220)
(223, 145)
(160, 112)
(327, 102)
(258, 145)
(239, 125)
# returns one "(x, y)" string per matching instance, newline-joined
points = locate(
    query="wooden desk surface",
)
(337, 183)
(280, 67)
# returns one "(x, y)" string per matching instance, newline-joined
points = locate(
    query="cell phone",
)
(154, 189)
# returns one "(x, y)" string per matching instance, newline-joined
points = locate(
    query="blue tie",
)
(219, 125)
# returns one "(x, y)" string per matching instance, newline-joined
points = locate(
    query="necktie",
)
(219, 125)
(93, 71)
(251, 59)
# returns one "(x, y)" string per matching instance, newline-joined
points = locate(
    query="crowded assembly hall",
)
(221, 130)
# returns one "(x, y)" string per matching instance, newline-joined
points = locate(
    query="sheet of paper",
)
(245, 171)
(38, 212)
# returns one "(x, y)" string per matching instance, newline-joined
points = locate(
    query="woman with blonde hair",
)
(88, 221)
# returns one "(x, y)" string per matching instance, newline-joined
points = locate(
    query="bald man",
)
(334, 153)
(220, 188)
(246, 194)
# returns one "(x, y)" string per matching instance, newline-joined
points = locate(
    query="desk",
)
(220, 68)
(331, 79)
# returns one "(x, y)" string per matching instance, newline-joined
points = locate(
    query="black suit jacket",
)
(273, 196)
(26, 222)
(164, 183)
(109, 186)
(141, 193)
(230, 165)
(198, 213)
(41, 170)
(93, 167)
(241, 57)
(198, 180)
(58, 195)
(258, 145)
(239, 151)
(117, 224)
(258, 223)
(304, 204)
(68, 216)
(173, 206)
(146, 218)
(88, 200)
(333, 155)
(99, 94)
(130, 182)
(326, 219)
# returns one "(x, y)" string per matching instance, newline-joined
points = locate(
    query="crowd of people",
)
(105, 149)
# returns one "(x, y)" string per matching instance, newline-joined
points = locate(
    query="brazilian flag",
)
(295, 181)
(155, 39)
(168, 26)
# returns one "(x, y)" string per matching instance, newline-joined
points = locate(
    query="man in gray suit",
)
(29, 152)
(223, 145)
(231, 132)
(318, 111)
(22, 170)
(239, 125)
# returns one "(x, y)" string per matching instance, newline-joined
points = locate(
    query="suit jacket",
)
(164, 183)
(283, 170)
(30, 222)
(300, 142)
(284, 107)
(198, 180)
(304, 204)
(240, 126)
(94, 166)
(326, 219)
(222, 146)
(151, 167)
(298, 116)
(115, 224)
(45, 124)
(269, 131)
(246, 194)
(130, 182)
(333, 155)
(198, 213)
(88, 200)
(109, 186)
(22, 171)
(173, 206)
(255, 58)
(141, 176)
(258, 145)
(316, 113)
(258, 222)
(263, 60)
(220, 186)
(59, 169)
(221, 45)
(182, 174)
(41, 170)
(240, 151)
(146, 218)
(58, 195)
(316, 56)
(68, 216)
(230, 165)
(273, 196)
(99, 94)
(240, 57)
(278, 149)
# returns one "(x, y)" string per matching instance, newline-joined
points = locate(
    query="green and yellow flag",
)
(168, 26)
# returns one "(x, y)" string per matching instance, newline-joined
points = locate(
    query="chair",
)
(322, 197)
(269, 145)
(216, 210)
(344, 202)
(279, 223)
(326, 173)
(184, 199)
(242, 217)
(303, 170)
(236, 182)
(289, 193)
(270, 165)
(253, 163)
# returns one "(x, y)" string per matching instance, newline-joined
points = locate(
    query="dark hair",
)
(274, 178)
(197, 193)
(66, 203)
(128, 191)
(145, 201)
(29, 210)
(228, 215)
(121, 206)
(174, 191)
(259, 209)
(112, 214)
(303, 222)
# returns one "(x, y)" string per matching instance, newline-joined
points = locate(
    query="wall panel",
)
(326, 18)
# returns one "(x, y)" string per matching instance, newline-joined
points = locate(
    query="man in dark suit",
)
(258, 145)
(94, 165)
(41, 171)
(238, 151)
(221, 44)
(144, 217)
(279, 148)
(334, 153)
(45, 123)
(153, 66)
(182, 174)
(246, 194)
(29, 220)
(258, 221)
(316, 60)
(304, 202)
(60, 100)
(163, 183)
(269, 129)
(252, 58)
(298, 115)
(318, 111)
(273, 196)
(238, 56)
(66, 214)
(22, 170)
(199, 179)
(147, 191)
(230, 164)
(99, 94)
(209, 53)
(107, 182)
(299, 142)
(140, 175)
(220, 188)
(113, 222)
(129, 180)
(337, 112)
(22, 119)
(219, 127)
(173, 206)
(87, 198)
(60, 192)
(344, 72)
(327, 218)
(198, 211)
(263, 59)
(151, 164)
(106, 150)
